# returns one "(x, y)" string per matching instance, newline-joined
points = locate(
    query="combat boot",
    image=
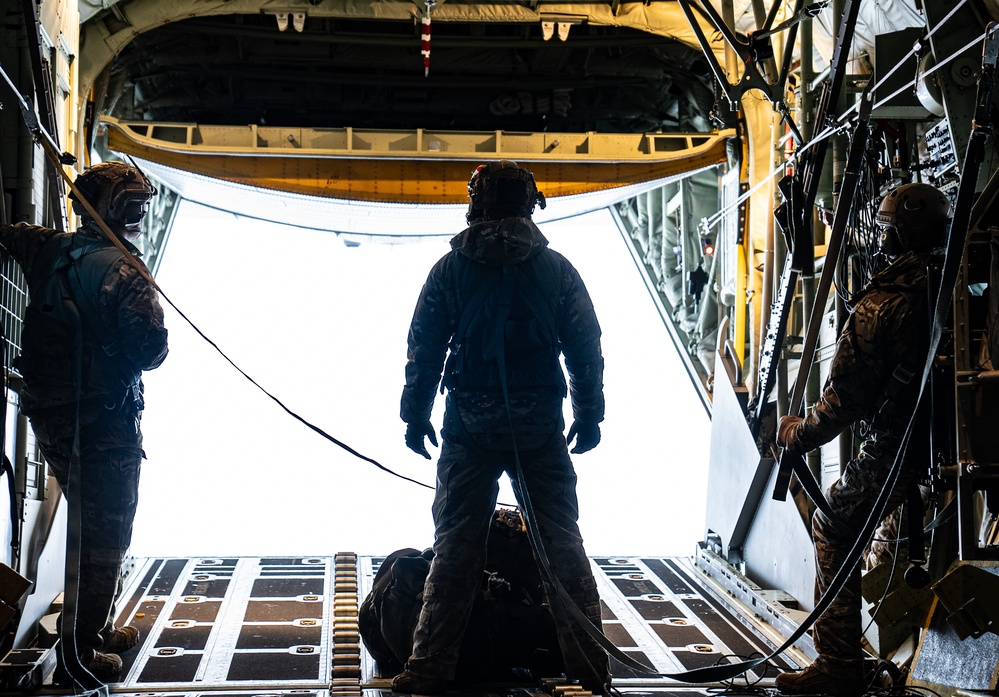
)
(120, 639)
(813, 681)
(106, 667)
(407, 683)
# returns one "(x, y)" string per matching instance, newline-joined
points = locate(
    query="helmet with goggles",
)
(116, 191)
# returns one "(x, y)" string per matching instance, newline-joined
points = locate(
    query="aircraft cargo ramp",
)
(288, 626)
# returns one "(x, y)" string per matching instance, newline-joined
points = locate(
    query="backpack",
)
(63, 341)
(510, 628)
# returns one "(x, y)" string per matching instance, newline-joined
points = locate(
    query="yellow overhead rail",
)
(410, 166)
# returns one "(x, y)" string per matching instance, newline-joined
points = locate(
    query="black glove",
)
(415, 434)
(787, 430)
(587, 436)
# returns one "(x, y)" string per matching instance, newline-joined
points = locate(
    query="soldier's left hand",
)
(787, 430)
(587, 436)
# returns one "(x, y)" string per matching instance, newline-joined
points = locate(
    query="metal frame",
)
(752, 53)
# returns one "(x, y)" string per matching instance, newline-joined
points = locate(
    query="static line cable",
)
(346, 234)
(935, 68)
(957, 53)
(712, 220)
(913, 50)
(66, 159)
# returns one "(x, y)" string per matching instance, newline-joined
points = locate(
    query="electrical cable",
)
(731, 682)
(957, 235)
(564, 608)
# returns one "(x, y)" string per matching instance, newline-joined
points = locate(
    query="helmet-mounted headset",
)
(913, 217)
(502, 189)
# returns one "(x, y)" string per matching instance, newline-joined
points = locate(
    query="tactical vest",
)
(894, 408)
(528, 336)
(64, 342)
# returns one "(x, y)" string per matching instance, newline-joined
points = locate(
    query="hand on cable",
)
(415, 434)
(587, 436)
(787, 430)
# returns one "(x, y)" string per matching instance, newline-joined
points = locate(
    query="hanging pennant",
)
(425, 39)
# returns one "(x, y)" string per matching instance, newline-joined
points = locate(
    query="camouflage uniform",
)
(109, 412)
(477, 443)
(888, 328)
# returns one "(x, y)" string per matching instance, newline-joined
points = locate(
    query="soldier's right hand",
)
(415, 433)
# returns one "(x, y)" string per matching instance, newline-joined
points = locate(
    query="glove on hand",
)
(787, 429)
(415, 434)
(587, 436)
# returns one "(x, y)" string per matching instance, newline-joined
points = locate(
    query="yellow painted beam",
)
(404, 167)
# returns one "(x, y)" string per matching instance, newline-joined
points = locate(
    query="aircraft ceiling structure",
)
(360, 65)
(504, 68)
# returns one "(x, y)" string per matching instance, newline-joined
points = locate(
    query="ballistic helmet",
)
(502, 189)
(913, 216)
(117, 192)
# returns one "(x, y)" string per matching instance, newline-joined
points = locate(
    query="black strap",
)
(914, 512)
(475, 304)
(47, 262)
(15, 519)
(561, 602)
(564, 609)
(81, 676)
(788, 463)
(535, 300)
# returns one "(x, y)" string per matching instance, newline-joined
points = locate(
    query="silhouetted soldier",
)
(501, 299)
(874, 377)
(92, 326)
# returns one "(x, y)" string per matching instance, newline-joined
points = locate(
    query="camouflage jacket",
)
(547, 285)
(129, 312)
(888, 328)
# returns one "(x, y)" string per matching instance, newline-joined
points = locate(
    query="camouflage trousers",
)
(463, 507)
(838, 631)
(111, 453)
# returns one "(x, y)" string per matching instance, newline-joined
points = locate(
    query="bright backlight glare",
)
(323, 325)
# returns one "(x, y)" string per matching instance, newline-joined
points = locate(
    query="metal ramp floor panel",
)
(288, 626)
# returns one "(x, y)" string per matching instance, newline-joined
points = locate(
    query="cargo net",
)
(13, 301)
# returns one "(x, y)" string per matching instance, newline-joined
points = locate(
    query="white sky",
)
(323, 327)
